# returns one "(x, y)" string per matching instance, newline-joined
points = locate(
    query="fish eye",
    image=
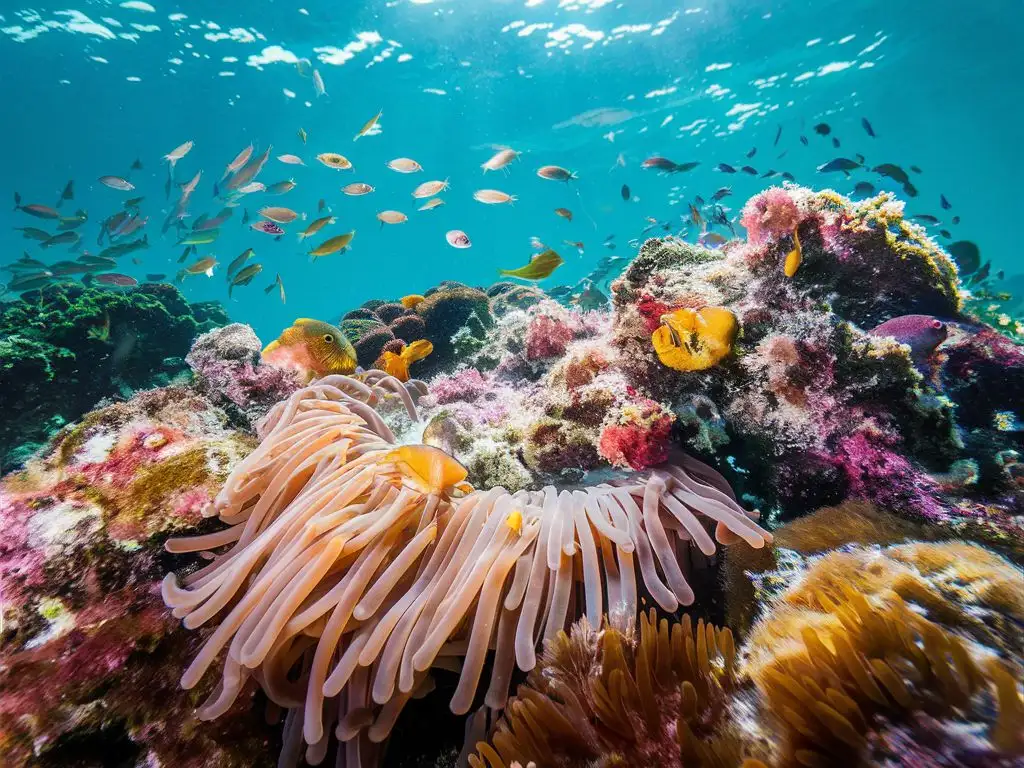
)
(936, 324)
(328, 338)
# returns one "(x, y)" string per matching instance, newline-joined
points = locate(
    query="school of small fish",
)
(122, 232)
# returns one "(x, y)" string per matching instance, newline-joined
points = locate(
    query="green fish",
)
(64, 238)
(237, 263)
(31, 280)
(200, 238)
(73, 222)
(540, 267)
(97, 261)
(26, 262)
(245, 276)
(33, 233)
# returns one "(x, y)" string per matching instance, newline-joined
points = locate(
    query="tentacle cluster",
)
(351, 567)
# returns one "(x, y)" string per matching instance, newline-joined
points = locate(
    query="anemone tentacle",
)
(362, 565)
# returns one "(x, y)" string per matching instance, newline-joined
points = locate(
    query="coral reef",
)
(854, 394)
(796, 380)
(438, 317)
(86, 641)
(66, 346)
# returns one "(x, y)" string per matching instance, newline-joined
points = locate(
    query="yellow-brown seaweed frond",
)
(653, 697)
(828, 672)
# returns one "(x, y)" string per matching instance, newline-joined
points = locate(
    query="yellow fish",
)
(369, 126)
(333, 245)
(794, 257)
(412, 300)
(397, 365)
(428, 469)
(313, 347)
(540, 266)
(334, 160)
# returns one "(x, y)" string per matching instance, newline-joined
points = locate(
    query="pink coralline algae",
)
(553, 328)
(770, 215)
(227, 365)
(89, 654)
(637, 437)
(881, 475)
(465, 385)
(547, 337)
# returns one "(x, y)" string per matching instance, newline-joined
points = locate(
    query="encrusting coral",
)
(363, 566)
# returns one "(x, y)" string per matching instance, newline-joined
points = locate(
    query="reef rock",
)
(89, 655)
(228, 368)
(66, 346)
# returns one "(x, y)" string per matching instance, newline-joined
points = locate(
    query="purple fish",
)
(922, 333)
(116, 278)
(267, 226)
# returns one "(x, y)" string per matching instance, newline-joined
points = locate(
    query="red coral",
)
(547, 337)
(639, 438)
(651, 310)
(770, 215)
(581, 371)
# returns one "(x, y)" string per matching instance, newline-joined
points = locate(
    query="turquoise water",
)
(576, 83)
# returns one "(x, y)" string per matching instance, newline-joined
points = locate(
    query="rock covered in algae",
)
(229, 369)
(90, 658)
(66, 346)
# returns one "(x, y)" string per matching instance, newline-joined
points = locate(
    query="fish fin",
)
(271, 347)
(304, 321)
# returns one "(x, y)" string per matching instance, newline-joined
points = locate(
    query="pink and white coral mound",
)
(227, 365)
(552, 328)
(770, 215)
(465, 385)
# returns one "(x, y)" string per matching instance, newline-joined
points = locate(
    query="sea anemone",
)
(350, 567)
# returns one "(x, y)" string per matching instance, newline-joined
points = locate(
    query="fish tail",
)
(17, 201)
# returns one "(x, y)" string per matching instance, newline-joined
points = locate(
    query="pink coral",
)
(638, 436)
(547, 337)
(879, 474)
(227, 365)
(465, 385)
(770, 215)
